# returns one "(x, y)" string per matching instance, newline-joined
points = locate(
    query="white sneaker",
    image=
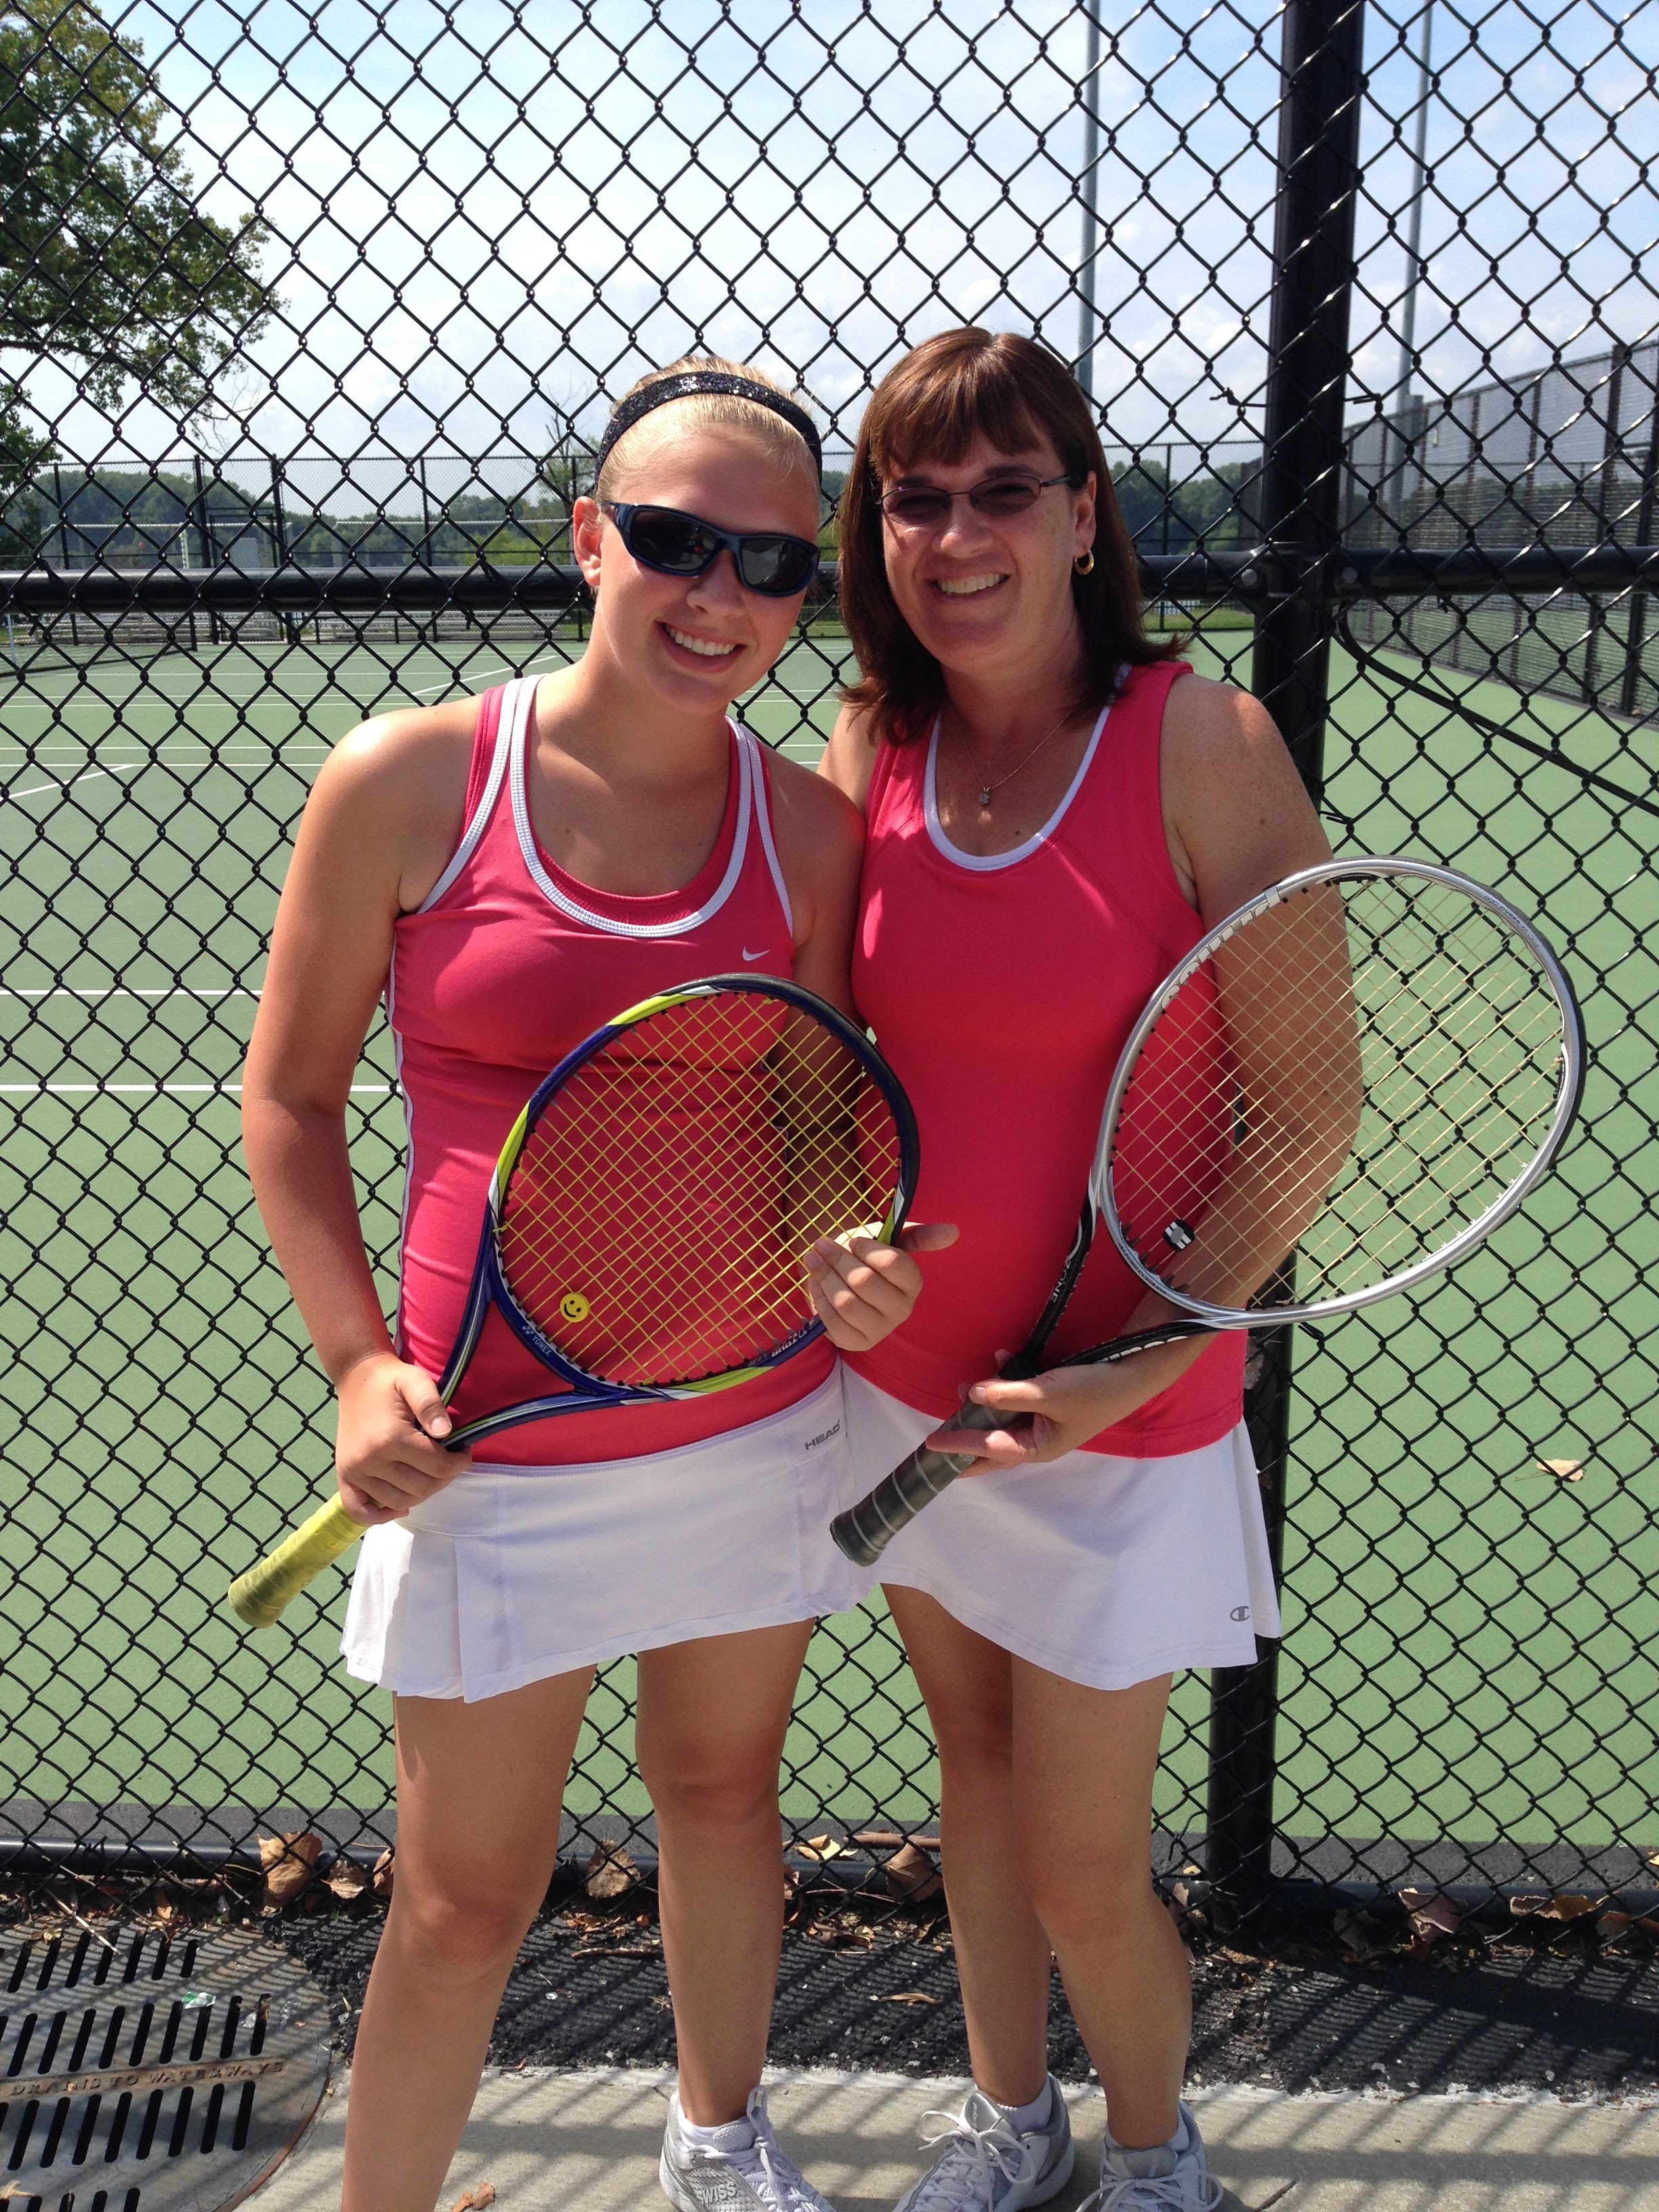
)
(1176, 2177)
(985, 2168)
(746, 2173)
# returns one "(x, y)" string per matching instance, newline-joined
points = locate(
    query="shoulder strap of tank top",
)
(486, 773)
(898, 775)
(1121, 806)
(761, 789)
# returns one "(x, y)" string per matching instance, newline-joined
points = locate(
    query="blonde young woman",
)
(509, 872)
(1056, 809)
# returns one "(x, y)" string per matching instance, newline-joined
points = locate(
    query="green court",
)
(1464, 1656)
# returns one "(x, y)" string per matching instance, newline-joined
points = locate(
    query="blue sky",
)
(485, 216)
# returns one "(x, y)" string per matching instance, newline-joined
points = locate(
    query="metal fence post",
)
(1304, 460)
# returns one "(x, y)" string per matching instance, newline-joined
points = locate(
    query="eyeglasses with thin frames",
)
(924, 507)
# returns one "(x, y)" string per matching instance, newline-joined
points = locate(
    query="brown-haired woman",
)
(1056, 808)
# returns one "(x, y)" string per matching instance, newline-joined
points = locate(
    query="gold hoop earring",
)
(1085, 564)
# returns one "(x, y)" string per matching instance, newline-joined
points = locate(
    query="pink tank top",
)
(508, 964)
(1030, 968)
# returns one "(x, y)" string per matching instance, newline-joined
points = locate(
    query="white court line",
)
(153, 1090)
(35, 789)
(421, 690)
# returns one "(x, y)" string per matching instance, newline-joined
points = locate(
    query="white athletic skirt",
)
(514, 1574)
(1108, 1571)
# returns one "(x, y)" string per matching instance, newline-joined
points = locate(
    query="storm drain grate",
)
(147, 2072)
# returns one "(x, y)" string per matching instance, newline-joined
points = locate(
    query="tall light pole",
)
(1086, 320)
(1402, 391)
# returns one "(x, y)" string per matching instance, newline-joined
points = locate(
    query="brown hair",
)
(930, 408)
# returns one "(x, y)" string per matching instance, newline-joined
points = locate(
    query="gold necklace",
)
(986, 785)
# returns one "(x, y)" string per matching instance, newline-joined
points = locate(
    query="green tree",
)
(107, 266)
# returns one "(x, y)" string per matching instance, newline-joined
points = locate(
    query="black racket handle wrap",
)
(864, 1533)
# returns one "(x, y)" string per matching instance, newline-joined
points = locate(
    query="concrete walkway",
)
(588, 2142)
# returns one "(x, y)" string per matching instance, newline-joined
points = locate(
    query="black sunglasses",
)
(922, 506)
(678, 544)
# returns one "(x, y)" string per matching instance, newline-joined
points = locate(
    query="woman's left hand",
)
(863, 1290)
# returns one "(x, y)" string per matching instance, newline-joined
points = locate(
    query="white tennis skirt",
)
(1108, 1571)
(512, 1574)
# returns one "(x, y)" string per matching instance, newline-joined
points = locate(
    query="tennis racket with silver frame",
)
(1340, 1091)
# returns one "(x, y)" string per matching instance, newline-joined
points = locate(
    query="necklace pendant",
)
(985, 798)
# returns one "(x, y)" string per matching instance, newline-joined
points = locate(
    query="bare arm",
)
(1237, 819)
(862, 1290)
(371, 828)
(849, 758)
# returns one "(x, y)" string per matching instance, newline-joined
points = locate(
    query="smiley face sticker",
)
(573, 1307)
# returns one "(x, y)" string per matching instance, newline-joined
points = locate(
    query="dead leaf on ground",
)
(908, 1998)
(839, 1936)
(821, 1847)
(1432, 1916)
(1614, 1927)
(1189, 1919)
(1355, 1932)
(611, 1871)
(383, 1872)
(347, 1880)
(289, 1863)
(475, 2199)
(1521, 1906)
(1565, 1905)
(1564, 1470)
(912, 1873)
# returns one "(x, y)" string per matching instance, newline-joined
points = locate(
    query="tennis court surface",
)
(1466, 1663)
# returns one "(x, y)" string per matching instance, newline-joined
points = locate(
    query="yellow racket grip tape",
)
(258, 1597)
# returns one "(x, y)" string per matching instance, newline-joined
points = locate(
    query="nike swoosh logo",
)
(761, 955)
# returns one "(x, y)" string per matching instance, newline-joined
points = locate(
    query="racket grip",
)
(864, 1532)
(258, 1597)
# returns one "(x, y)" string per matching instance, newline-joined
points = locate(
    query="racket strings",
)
(654, 1225)
(1358, 1073)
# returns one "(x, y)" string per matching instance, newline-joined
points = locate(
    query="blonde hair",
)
(703, 410)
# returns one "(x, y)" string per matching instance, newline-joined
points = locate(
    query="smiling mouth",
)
(963, 587)
(706, 648)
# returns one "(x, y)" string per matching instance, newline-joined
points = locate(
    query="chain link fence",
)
(311, 318)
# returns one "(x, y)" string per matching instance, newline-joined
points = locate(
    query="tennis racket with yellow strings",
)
(647, 1222)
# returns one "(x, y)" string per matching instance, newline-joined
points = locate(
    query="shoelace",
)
(1138, 2193)
(990, 2149)
(765, 2158)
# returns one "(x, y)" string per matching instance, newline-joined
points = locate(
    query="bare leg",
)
(1046, 1794)
(479, 1788)
(709, 1737)
(1002, 1950)
(1084, 1763)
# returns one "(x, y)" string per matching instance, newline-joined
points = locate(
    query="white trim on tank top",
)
(472, 831)
(511, 730)
(985, 864)
(763, 824)
(519, 781)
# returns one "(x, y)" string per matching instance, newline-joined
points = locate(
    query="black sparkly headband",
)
(693, 381)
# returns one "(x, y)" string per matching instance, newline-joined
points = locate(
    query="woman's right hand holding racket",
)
(1039, 1418)
(390, 1452)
